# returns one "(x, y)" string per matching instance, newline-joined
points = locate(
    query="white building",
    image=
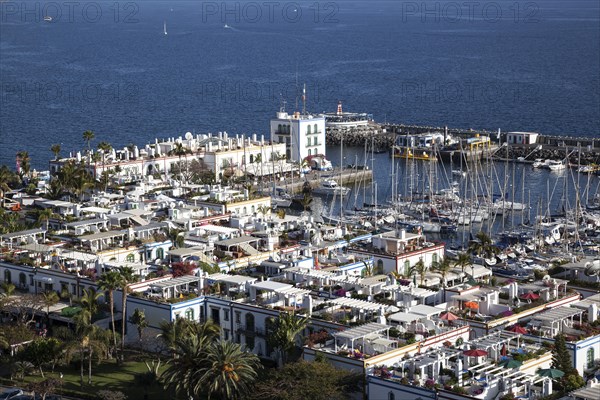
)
(521, 137)
(303, 134)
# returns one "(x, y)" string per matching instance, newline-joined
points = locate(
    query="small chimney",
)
(339, 108)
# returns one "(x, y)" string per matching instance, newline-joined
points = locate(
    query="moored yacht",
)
(329, 187)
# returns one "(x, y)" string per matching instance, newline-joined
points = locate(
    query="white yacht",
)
(329, 187)
(553, 165)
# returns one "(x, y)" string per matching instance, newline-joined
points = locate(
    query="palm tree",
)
(419, 268)
(49, 299)
(171, 332)
(306, 201)
(287, 329)
(88, 136)
(442, 268)
(55, 148)
(88, 339)
(6, 176)
(89, 302)
(138, 318)
(109, 282)
(105, 147)
(25, 163)
(7, 288)
(81, 181)
(463, 261)
(368, 269)
(44, 217)
(176, 237)
(215, 370)
(483, 245)
(127, 277)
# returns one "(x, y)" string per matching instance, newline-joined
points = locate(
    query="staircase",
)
(251, 251)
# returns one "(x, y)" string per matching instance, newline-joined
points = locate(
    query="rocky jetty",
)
(357, 137)
(549, 153)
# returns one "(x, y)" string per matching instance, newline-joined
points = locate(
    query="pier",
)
(348, 177)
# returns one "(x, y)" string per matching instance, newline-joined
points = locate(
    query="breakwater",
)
(579, 150)
(374, 135)
(575, 154)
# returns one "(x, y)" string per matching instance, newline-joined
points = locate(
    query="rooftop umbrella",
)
(449, 317)
(475, 353)
(517, 329)
(472, 305)
(529, 296)
(551, 373)
(510, 363)
(503, 351)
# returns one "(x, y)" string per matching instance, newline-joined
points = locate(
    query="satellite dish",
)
(189, 136)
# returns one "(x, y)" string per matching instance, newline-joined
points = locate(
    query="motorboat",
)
(330, 187)
(554, 165)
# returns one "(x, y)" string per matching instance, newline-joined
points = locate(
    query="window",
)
(7, 277)
(215, 315)
(238, 317)
(309, 152)
(379, 269)
(160, 253)
(249, 322)
(590, 358)
(315, 128)
(315, 141)
(245, 211)
(434, 258)
(22, 280)
(189, 314)
(226, 334)
(130, 258)
(406, 267)
(308, 130)
(226, 315)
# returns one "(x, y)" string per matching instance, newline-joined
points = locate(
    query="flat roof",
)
(237, 240)
(37, 248)
(85, 222)
(422, 309)
(101, 235)
(186, 251)
(271, 285)
(57, 203)
(28, 232)
(98, 210)
(404, 317)
(218, 228)
(231, 279)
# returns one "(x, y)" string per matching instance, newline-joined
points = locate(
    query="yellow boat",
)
(403, 152)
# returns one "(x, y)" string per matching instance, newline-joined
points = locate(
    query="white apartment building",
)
(302, 134)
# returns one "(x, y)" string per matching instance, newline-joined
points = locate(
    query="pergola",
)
(349, 336)
(493, 342)
(284, 290)
(587, 393)
(102, 240)
(237, 281)
(551, 321)
(21, 236)
(174, 286)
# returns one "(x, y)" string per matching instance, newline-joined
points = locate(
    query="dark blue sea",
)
(107, 66)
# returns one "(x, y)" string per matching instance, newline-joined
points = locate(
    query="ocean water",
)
(107, 66)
